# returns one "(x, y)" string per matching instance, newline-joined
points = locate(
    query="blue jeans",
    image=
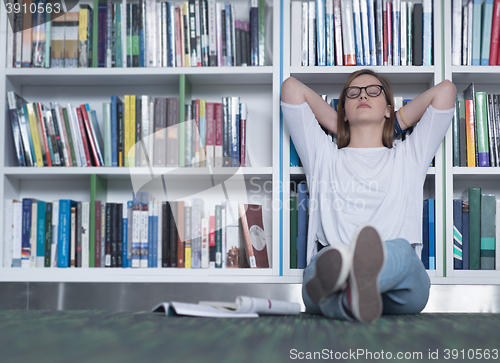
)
(403, 283)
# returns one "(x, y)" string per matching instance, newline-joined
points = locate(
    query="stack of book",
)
(476, 130)
(361, 32)
(476, 32)
(299, 217)
(141, 233)
(136, 130)
(198, 33)
(476, 240)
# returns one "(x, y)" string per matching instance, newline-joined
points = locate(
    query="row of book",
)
(143, 232)
(476, 32)
(139, 131)
(361, 32)
(476, 129)
(476, 236)
(198, 33)
(299, 216)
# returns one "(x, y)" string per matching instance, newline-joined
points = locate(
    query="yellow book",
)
(187, 254)
(83, 20)
(126, 131)
(34, 134)
(187, 41)
(470, 131)
(131, 153)
(203, 127)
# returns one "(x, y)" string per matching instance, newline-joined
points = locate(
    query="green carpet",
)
(96, 336)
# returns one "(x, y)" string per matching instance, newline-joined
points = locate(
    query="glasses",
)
(372, 90)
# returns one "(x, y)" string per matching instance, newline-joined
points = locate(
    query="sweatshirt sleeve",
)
(306, 133)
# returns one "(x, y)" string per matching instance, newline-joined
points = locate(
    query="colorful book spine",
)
(495, 33)
(329, 31)
(482, 130)
(457, 234)
(487, 244)
(432, 235)
(348, 33)
(425, 234)
(321, 32)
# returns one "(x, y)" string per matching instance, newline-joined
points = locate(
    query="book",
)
(487, 244)
(243, 307)
(457, 234)
(255, 238)
(473, 197)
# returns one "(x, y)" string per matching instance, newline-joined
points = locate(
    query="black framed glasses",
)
(372, 90)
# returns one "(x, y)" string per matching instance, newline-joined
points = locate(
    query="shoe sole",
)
(367, 260)
(330, 275)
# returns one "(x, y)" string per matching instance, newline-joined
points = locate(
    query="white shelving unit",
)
(407, 81)
(485, 78)
(259, 87)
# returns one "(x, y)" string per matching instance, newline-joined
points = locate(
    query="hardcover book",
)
(255, 238)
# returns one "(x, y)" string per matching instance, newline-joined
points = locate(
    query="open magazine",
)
(243, 307)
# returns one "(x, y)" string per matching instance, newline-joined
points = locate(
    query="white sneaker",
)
(332, 270)
(368, 256)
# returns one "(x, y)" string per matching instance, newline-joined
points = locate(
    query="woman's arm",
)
(442, 97)
(295, 92)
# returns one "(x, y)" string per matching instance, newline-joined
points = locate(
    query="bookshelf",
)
(407, 81)
(257, 86)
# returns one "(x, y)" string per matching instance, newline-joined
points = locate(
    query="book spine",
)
(425, 234)
(235, 131)
(457, 234)
(243, 137)
(365, 28)
(403, 34)
(470, 31)
(482, 130)
(40, 235)
(262, 33)
(495, 34)
(372, 32)
(476, 32)
(337, 22)
(465, 233)
(97, 238)
(487, 253)
(492, 131)
(78, 234)
(321, 32)
(348, 33)
(428, 33)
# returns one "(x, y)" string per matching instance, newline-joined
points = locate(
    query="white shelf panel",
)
(299, 171)
(475, 173)
(138, 76)
(338, 75)
(476, 74)
(135, 275)
(27, 173)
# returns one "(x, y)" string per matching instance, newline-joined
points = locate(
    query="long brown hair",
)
(343, 128)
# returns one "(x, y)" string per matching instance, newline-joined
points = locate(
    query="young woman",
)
(365, 192)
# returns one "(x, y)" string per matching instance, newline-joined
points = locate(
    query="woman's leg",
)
(326, 273)
(403, 282)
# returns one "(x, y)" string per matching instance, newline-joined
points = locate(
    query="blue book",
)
(171, 34)
(320, 32)
(380, 32)
(101, 39)
(229, 35)
(302, 225)
(476, 33)
(125, 261)
(457, 234)
(329, 34)
(145, 245)
(155, 240)
(115, 101)
(254, 32)
(142, 35)
(150, 239)
(40, 235)
(365, 31)
(425, 235)
(427, 32)
(294, 156)
(358, 35)
(64, 232)
(486, 37)
(26, 232)
(371, 32)
(432, 236)
(465, 235)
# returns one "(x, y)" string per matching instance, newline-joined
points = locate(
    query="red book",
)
(495, 34)
(211, 239)
(84, 137)
(88, 127)
(384, 15)
(218, 135)
(210, 138)
(98, 233)
(389, 34)
(255, 238)
(41, 120)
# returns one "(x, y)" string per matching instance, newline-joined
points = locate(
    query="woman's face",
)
(365, 109)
